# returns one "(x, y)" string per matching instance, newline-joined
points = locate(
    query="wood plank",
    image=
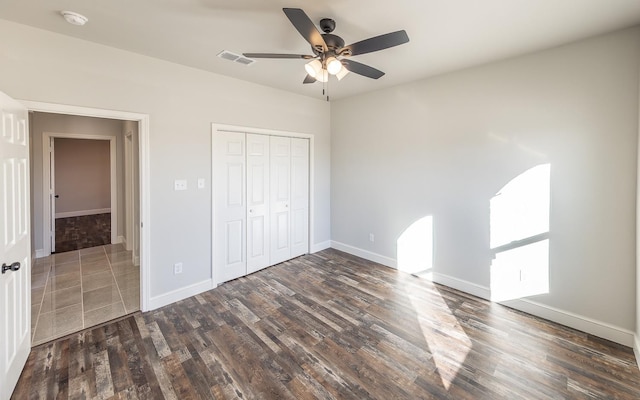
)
(330, 326)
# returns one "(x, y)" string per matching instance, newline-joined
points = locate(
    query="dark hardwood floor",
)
(74, 233)
(326, 326)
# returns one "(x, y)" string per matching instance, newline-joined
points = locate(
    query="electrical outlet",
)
(177, 268)
(371, 237)
(180, 184)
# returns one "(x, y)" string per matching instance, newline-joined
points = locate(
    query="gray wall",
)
(182, 103)
(58, 123)
(444, 146)
(82, 175)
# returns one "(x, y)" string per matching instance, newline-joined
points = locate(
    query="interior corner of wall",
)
(636, 348)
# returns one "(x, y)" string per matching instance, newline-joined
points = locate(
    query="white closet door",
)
(229, 205)
(280, 199)
(257, 202)
(299, 197)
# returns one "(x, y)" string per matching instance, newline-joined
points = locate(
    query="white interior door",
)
(229, 206)
(257, 202)
(280, 199)
(15, 237)
(299, 197)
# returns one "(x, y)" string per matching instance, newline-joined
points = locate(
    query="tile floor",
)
(79, 289)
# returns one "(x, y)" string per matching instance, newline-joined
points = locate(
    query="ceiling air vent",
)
(245, 60)
(227, 55)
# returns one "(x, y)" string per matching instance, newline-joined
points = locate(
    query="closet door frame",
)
(215, 128)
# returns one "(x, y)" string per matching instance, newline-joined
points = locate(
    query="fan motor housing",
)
(333, 42)
(327, 25)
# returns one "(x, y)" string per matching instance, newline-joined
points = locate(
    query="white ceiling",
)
(445, 35)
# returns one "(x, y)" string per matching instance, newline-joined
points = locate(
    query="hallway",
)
(83, 288)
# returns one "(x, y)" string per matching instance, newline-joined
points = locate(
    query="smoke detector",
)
(74, 18)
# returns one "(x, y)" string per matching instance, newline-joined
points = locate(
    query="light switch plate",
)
(180, 184)
(200, 183)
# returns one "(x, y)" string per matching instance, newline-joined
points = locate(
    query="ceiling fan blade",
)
(276, 55)
(309, 79)
(307, 29)
(362, 69)
(378, 43)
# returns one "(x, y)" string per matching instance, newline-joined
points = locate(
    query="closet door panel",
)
(261, 202)
(280, 173)
(229, 198)
(299, 197)
(257, 202)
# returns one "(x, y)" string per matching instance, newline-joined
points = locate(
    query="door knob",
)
(57, 196)
(13, 267)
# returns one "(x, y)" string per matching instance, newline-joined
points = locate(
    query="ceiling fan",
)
(331, 56)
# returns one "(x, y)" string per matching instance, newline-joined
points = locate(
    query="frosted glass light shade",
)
(313, 68)
(333, 65)
(343, 72)
(323, 76)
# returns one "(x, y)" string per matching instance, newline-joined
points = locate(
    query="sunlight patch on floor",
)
(447, 340)
(415, 256)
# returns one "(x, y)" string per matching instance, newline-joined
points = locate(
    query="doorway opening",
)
(82, 183)
(80, 281)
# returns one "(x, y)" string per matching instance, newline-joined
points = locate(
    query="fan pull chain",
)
(327, 84)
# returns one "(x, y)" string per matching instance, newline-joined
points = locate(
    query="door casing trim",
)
(144, 169)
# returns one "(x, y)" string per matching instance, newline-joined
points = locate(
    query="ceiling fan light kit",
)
(343, 72)
(331, 56)
(333, 65)
(313, 68)
(323, 76)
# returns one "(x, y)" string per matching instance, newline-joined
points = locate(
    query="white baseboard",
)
(462, 285)
(366, 254)
(320, 246)
(136, 261)
(40, 253)
(566, 318)
(82, 213)
(119, 239)
(579, 322)
(636, 349)
(179, 294)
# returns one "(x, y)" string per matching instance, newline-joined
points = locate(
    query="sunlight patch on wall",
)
(520, 272)
(415, 247)
(520, 236)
